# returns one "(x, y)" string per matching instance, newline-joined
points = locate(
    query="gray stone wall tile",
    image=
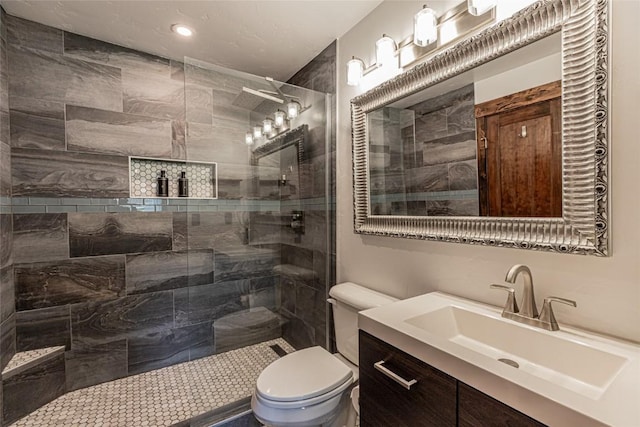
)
(7, 293)
(212, 143)
(33, 35)
(215, 230)
(37, 123)
(319, 73)
(88, 365)
(98, 51)
(436, 153)
(46, 327)
(52, 77)
(119, 233)
(4, 87)
(5, 170)
(40, 285)
(202, 344)
(298, 333)
(177, 70)
(429, 178)
(178, 140)
(199, 104)
(180, 230)
(6, 240)
(463, 175)
(153, 96)
(134, 315)
(163, 348)
(168, 270)
(200, 304)
(265, 292)
(244, 263)
(45, 173)
(245, 327)
(107, 132)
(452, 207)
(40, 237)
(7, 340)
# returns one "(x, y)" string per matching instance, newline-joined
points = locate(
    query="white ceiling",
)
(267, 38)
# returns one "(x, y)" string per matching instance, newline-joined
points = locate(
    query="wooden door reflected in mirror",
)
(519, 153)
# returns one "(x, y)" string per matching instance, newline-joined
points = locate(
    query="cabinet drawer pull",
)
(397, 378)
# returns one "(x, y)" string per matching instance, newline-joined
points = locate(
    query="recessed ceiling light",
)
(183, 30)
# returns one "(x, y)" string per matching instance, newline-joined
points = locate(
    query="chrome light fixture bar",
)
(270, 128)
(426, 39)
(479, 7)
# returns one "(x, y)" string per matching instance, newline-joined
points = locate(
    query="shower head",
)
(250, 99)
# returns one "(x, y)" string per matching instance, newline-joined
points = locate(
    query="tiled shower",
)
(131, 284)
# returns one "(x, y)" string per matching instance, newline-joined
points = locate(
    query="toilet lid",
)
(302, 375)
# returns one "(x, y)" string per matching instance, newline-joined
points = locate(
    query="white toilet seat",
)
(304, 377)
(293, 404)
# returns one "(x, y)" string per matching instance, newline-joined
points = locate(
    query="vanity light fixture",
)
(355, 71)
(385, 51)
(279, 118)
(425, 27)
(257, 132)
(293, 109)
(267, 126)
(480, 7)
(248, 138)
(431, 33)
(181, 29)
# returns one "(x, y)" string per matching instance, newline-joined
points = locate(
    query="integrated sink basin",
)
(565, 377)
(573, 364)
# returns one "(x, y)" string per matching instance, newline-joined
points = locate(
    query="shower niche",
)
(144, 172)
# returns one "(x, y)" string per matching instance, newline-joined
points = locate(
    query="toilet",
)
(311, 387)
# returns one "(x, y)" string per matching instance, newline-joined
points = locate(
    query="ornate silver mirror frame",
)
(583, 228)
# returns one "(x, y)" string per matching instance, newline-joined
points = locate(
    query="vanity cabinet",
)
(431, 401)
(477, 409)
(436, 399)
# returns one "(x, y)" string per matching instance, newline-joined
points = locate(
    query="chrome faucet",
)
(528, 306)
(529, 312)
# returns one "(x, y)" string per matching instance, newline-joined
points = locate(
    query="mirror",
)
(535, 87)
(277, 164)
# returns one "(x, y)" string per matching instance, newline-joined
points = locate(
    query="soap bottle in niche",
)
(163, 184)
(183, 185)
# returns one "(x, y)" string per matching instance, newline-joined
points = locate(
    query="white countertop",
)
(543, 400)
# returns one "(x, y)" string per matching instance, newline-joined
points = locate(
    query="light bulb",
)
(279, 117)
(293, 109)
(257, 132)
(355, 71)
(385, 50)
(479, 7)
(425, 27)
(267, 126)
(248, 138)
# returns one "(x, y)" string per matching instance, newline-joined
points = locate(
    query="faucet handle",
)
(547, 316)
(511, 306)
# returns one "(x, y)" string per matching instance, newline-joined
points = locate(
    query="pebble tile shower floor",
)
(162, 397)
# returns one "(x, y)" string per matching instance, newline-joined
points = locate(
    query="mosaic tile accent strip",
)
(25, 359)
(203, 182)
(162, 397)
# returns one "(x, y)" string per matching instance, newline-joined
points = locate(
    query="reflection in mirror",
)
(277, 166)
(486, 142)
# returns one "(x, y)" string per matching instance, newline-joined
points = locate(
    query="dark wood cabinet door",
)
(477, 409)
(384, 402)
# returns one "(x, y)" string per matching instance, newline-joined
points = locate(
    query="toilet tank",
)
(347, 299)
